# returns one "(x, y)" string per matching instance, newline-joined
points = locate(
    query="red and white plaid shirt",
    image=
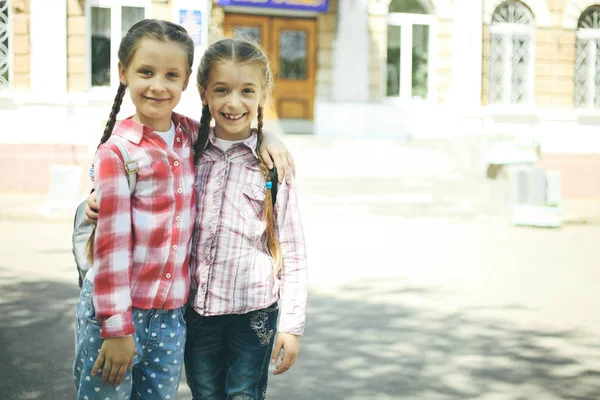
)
(141, 255)
(232, 270)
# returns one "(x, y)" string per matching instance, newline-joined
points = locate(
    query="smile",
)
(233, 117)
(155, 99)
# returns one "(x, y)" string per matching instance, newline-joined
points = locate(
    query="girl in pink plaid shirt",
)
(248, 260)
(130, 328)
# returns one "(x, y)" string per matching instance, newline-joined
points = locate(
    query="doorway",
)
(290, 46)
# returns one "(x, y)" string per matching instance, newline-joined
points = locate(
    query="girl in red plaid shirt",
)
(130, 328)
(248, 259)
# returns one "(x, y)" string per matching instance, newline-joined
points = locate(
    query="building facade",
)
(354, 69)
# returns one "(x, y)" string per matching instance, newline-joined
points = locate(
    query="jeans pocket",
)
(271, 308)
(192, 321)
(86, 313)
(181, 315)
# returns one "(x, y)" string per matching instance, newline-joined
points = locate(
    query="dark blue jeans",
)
(227, 356)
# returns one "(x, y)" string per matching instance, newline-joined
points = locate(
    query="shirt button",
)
(175, 247)
(179, 139)
(176, 164)
(180, 190)
(178, 218)
(168, 276)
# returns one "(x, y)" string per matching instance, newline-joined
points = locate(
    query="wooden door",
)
(293, 62)
(290, 46)
(248, 26)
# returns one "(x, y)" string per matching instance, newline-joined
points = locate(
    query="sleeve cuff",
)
(117, 326)
(292, 324)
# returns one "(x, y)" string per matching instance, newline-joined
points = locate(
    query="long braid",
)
(112, 118)
(202, 133)
(268, 213)
(110, 125)
(259, 117)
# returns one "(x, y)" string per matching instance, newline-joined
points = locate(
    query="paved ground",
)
(419, 288)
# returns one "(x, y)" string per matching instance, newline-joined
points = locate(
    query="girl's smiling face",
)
(233, 94)
(156, 75)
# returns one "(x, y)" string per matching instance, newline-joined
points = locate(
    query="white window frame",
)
(10, 55)
(405, 22)
(589, 36)
(115, 23)
(507, 30)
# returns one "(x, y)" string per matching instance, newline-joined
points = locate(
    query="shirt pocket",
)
(253, 200)
(153, 177)
(251, 208)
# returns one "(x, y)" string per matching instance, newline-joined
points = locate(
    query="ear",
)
(202, 95)
(122, 72)
(262, 101)
(187, 80)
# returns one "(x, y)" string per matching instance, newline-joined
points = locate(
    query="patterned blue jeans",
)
(227, 356)
(156, 371)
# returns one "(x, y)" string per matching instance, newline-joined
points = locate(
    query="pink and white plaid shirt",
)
(232, 271)
(141, 255)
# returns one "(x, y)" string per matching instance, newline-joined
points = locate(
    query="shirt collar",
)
(250, 142)
(134, 131)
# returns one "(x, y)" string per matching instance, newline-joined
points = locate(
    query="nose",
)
(158, 84)
(234, 100)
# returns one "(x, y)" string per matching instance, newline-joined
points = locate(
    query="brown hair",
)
(163, 31)
(241, 51)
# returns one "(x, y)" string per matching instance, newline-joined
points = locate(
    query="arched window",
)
(4, 46)
(587, 59)
(511, 54)
(408, 49)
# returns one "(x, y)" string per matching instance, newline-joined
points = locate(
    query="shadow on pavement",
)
(36, 339)
(369, 342)
(356, 349)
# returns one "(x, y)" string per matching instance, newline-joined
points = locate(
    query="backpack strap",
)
(274, 182)
(131, 166)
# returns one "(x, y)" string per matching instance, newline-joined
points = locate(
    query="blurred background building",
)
(520, 72)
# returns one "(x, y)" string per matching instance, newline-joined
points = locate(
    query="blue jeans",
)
(227, 356)
(156, 371)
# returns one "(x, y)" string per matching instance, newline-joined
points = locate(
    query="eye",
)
(248, 90)
(146, 72)
(172, 75)
(221, 90)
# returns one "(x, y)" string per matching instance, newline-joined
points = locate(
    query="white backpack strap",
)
(131, 166)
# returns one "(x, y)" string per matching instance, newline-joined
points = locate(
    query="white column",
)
(467, 53)
(49, 50)
(351, 53)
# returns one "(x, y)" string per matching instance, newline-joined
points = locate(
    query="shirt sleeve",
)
(112, 245)
(293, 292)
